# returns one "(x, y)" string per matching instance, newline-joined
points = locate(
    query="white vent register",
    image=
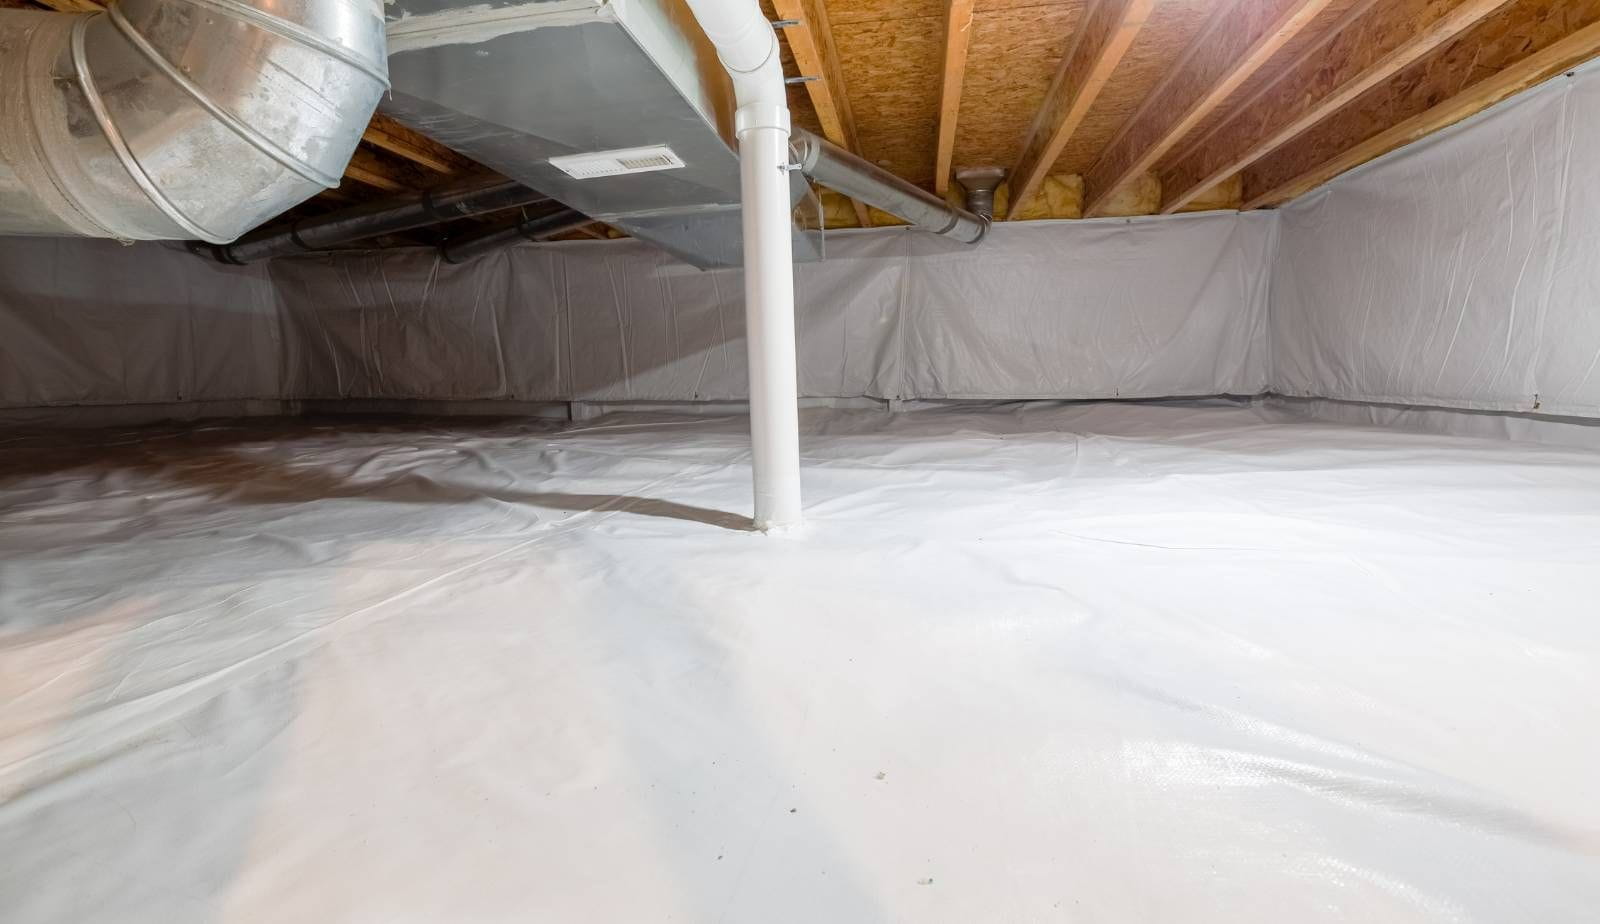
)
(618, 162)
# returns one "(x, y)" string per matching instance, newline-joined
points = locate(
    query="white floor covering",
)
(1056, 663)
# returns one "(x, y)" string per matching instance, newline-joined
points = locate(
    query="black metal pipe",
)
(537, 228)
(387, 216)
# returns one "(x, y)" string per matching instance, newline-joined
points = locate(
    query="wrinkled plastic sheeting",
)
(1093, 663)
(1143, 308)
(1459, 272)
(95, 322)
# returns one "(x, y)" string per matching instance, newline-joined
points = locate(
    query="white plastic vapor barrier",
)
(1460, 272)
(1106, 663)
(1066, 310)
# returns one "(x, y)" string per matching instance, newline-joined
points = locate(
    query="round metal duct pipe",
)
(181, 119)
(844, 172)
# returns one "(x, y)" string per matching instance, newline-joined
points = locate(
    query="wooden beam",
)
(1387, 37)
(72, 6)
(1238, 40)
(389, 135)
(337, 196)
(1281, 179)
(957, 35)
(811, 42)
(366, 167)
(1109, 28)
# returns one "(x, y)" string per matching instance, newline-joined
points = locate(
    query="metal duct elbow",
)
(845, 173)
(180, 119)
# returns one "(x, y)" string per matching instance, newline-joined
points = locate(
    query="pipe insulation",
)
(748, 50)
(536, 228)
(387, 216)
(180, 119)
(845, 173)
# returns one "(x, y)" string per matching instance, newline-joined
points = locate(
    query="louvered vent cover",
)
(618, 162)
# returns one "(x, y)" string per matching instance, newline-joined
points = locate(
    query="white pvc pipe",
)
(769, 326)
(748, 49)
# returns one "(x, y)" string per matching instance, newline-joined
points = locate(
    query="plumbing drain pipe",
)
(748, 49)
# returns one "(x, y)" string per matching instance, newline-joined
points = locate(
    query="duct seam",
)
(41, 155)
(235, 10)
(205, 117)
(250, 135)
(113, 136)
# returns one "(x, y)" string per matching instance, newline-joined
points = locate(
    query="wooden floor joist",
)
(957, 37)
(365, 167)
(1279, 179)
(1370, 49)
(1238, 40)
(387, 134)
(1186, 103)
(1109, 28)
(72, 6)
(811, 41)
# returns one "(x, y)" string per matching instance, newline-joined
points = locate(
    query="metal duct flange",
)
(980, 184)
(176, 119)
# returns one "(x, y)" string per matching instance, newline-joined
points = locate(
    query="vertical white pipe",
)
(749, 51)
(769, 325)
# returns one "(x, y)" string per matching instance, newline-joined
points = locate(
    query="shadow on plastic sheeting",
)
(219, 461)
(188, 814)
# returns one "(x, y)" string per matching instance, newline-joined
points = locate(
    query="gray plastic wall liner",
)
(1459, 271)
(1054, 309)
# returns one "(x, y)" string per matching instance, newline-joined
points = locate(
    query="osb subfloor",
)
(1063, 663)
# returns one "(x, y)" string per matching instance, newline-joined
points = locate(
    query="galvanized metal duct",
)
(180, 119)
(980, 184)
(843, 172)
(387, 216)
